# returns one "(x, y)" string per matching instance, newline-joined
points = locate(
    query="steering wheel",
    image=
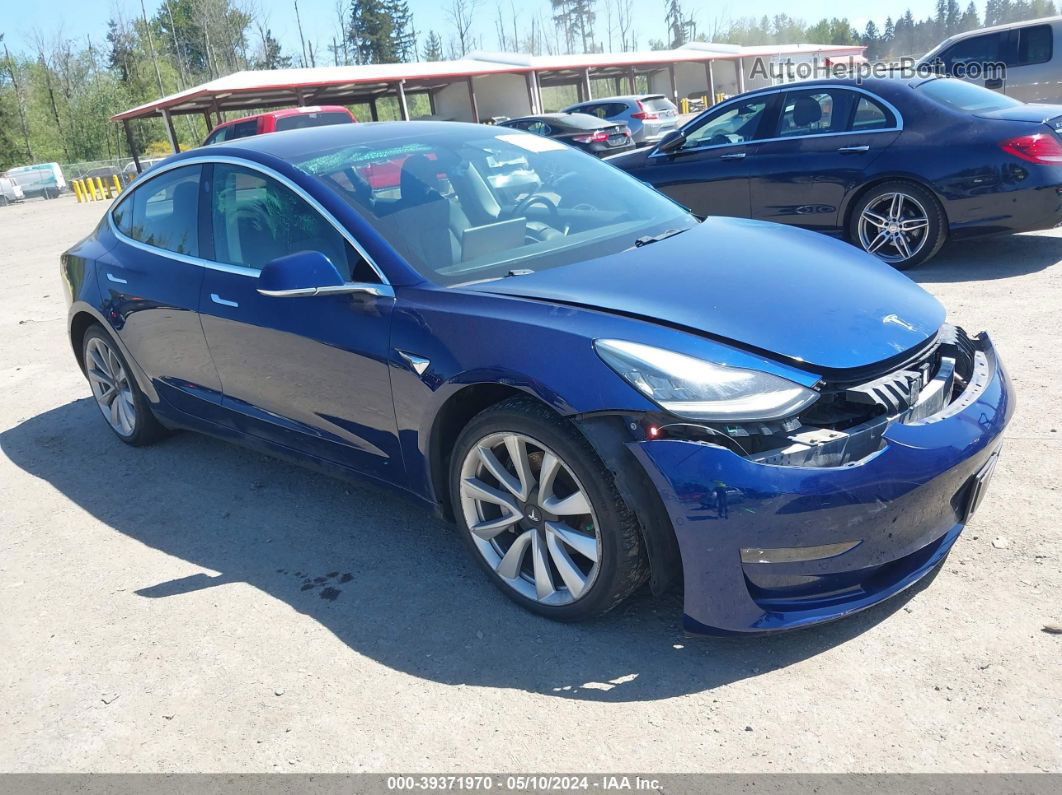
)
(535, 198)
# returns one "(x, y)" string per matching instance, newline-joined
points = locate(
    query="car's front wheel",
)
(899, 222)
(123, 405)
(541, 513)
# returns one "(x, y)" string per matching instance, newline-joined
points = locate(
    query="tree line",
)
(57, 92)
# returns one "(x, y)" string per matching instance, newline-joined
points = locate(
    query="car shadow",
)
(999, 257)
(378, 570)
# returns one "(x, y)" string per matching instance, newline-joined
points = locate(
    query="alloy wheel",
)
(894, 227)
(530, 518)
(110, 386)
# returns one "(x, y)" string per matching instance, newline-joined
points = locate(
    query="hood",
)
(773, 288)
(1042, 114)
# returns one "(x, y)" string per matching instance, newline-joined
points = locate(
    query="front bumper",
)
(903, 506)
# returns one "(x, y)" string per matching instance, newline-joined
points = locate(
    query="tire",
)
(609, 531)
(899, 248)
(125, 408)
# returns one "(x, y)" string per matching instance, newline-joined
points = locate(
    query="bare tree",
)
(461, 14)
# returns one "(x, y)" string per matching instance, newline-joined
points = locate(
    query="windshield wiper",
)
(645, 240)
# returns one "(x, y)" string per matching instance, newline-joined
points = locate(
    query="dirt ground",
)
(153, 614)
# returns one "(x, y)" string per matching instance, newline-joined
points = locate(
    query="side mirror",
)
(672, 141)
(305, 274)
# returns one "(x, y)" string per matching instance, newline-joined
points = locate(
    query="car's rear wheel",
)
(541, 513)
(899, 222)
(123, 405)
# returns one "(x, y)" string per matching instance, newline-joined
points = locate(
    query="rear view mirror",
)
(672, 141)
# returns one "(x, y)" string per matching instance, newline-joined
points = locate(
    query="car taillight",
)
(594, 138)
(645, 115)
(1042, 148)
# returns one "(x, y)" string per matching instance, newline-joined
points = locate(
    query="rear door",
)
(818, 149)
(151, 280)
(1032, 70)
(307, 373)
(710, 172)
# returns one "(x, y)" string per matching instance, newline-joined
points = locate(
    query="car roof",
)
(582, 121)
(296, 145)
(285, 112)
(995, 28)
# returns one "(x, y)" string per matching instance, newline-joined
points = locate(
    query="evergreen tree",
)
(433, 47)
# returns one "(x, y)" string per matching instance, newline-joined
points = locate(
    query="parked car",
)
(896, 167)
(39, 179)
(581, 130)
(10, 192)
(649, 117)
(1030, 52)
(280, 120)
(584, 377)
(146, 164)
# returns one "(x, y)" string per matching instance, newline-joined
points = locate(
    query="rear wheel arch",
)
(79, 324)
(863, 190)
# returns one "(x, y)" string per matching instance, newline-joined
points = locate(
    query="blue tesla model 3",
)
(598, 388)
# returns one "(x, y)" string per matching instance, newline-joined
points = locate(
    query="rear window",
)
(1034, 45)
(244, 129)
(312, 120)
(960, 95)
(658, 104)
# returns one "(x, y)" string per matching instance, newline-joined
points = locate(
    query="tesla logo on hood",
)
(897, 320)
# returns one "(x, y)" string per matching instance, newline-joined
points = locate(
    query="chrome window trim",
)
(253, 166)
(790, 87)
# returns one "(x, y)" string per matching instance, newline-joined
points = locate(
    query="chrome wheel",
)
(894, 227)
(110, 386)
(530, 518)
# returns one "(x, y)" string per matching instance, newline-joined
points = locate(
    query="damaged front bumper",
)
(768, 546)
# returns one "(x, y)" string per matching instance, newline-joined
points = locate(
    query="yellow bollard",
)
(77, 190)
(103, 189)
(117, 185)
(90, 189)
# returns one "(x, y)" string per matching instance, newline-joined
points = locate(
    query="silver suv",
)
(649, 117)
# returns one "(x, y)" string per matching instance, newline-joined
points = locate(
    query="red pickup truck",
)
(279, 120)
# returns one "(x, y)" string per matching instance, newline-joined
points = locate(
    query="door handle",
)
(112, 278)
(217, 299)
(733, 156)
(854, 150)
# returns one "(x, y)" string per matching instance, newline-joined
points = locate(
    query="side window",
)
(976, 49)
(1035, 45)
(735, 124)
(538, 128)
(601, 111)
(163, 212)
(244, 129)
(256, 219)
(218, 135)
(814, 112)
(869, 115)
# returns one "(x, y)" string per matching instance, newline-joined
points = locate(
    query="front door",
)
(709, 173)
(306, 373)
(821, 144)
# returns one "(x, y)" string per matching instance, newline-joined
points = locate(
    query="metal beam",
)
(674, 83)
(373, 111)
(531, 93)
(170, 132)
(710, 77)
(740, 75)
(403, 108)
(632, 82)
(472, 101)
(132, 146)
(586, 86)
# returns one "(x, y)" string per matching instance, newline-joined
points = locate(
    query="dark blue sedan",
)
(597, 388)
(896, 167)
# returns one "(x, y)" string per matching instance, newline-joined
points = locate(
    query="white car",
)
(10, 192)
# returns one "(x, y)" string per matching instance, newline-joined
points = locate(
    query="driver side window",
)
(735, 124)
(256, 219)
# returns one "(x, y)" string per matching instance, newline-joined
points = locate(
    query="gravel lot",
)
(155, 617)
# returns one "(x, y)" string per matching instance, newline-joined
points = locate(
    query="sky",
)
(21, 19)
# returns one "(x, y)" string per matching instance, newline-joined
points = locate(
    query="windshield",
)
(484, 205)
(965, 96)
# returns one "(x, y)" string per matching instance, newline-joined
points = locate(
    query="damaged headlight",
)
(698, 389)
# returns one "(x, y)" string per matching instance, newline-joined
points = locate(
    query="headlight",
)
(698, 389)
